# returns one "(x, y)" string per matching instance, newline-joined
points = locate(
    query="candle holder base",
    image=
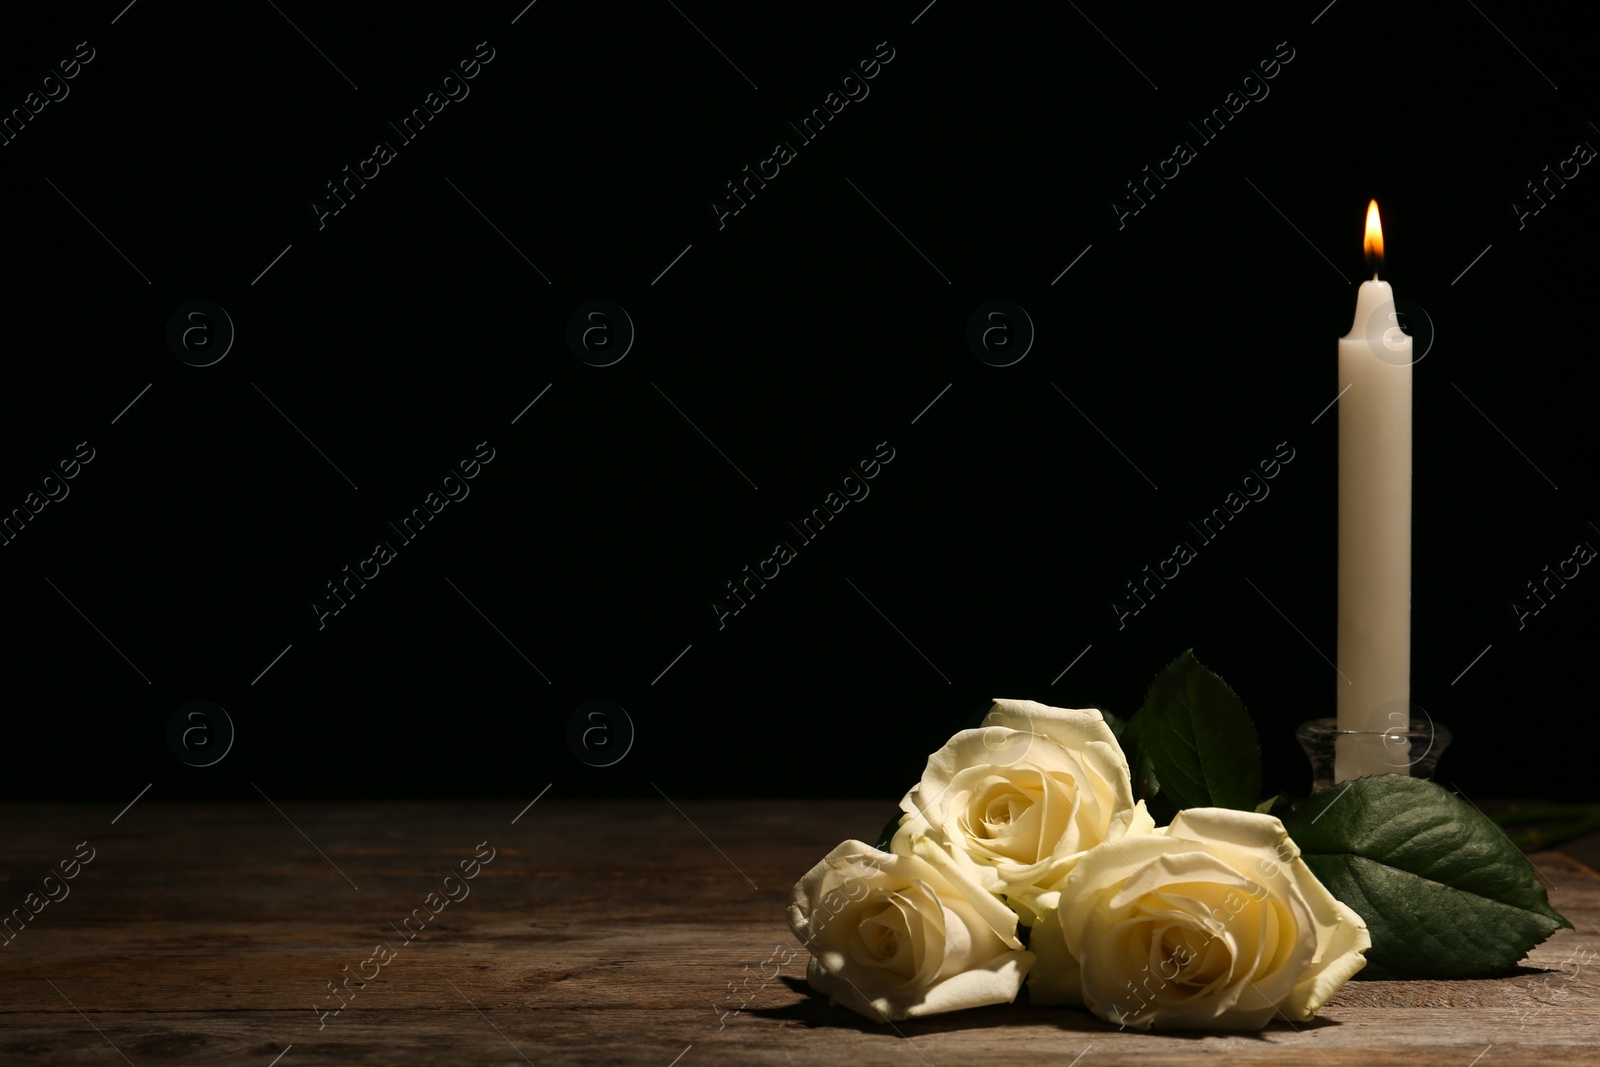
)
(1414, 751)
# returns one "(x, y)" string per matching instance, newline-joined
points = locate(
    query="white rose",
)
(1020, 799)
(1212, 923)
(896, 937)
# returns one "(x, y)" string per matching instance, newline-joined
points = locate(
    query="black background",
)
(1196, 337)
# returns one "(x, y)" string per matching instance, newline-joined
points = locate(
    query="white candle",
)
(1374, 653)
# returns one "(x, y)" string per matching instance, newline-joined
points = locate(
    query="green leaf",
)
(1445, 894)
(1160, 806)
(886, 835)
(1141, 776)
(1199, 739)
(1119, 727)
(1140, 768)
(1275, 805)
(1146, 786)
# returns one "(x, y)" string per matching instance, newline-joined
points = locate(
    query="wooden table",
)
(599, 932)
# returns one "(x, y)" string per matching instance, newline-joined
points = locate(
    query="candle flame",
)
(1373, 245)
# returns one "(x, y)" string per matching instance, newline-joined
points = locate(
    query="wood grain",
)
(600, 932)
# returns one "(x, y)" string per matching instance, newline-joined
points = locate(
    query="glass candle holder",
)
(1414, 751)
